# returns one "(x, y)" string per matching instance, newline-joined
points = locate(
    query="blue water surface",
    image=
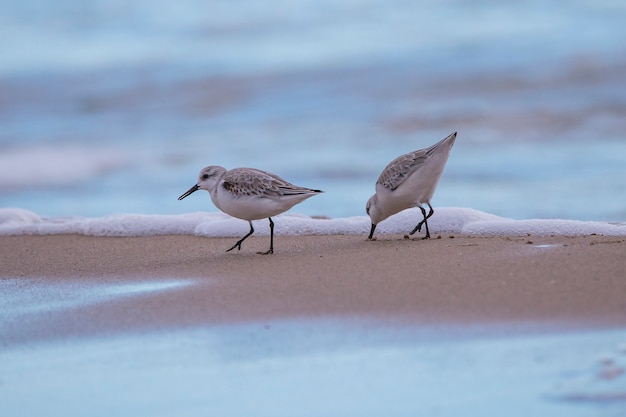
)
(114, 107)
(329, 367)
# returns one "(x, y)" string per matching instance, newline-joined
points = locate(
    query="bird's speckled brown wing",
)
(400, 169)
(250, 181)
(403, 166)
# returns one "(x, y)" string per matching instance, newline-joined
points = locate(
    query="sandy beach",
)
(328, 325)
(449, 279)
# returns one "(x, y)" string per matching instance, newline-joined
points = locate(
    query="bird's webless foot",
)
(236, 245)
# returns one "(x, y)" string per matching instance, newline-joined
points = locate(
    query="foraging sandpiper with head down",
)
(409, 181)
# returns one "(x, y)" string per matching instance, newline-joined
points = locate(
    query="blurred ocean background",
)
(110, 106)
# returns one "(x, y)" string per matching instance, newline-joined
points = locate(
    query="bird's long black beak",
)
(190, 191)
(372, 231)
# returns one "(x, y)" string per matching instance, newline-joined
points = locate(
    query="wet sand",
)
(167, 282)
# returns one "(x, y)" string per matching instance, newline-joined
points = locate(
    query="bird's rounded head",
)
(373, 210)
(209, 177)
(207, 180)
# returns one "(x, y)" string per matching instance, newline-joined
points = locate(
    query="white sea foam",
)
(15, 221)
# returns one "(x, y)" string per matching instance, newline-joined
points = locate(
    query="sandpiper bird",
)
(409, 181)
(249, 194)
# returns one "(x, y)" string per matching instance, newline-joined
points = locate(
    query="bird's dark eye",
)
(205, 177)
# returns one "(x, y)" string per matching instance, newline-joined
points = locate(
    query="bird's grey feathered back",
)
(398, 170)
(250, 181)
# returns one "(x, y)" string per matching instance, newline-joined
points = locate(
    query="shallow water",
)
(321, 367)
(126, 102)
(334, 366)
(23, 297)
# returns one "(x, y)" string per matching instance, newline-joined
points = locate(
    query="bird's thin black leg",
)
(418, 228)
(426, 224)
(271, 239)
(430, 213)
(419, 225)
(240, 241)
